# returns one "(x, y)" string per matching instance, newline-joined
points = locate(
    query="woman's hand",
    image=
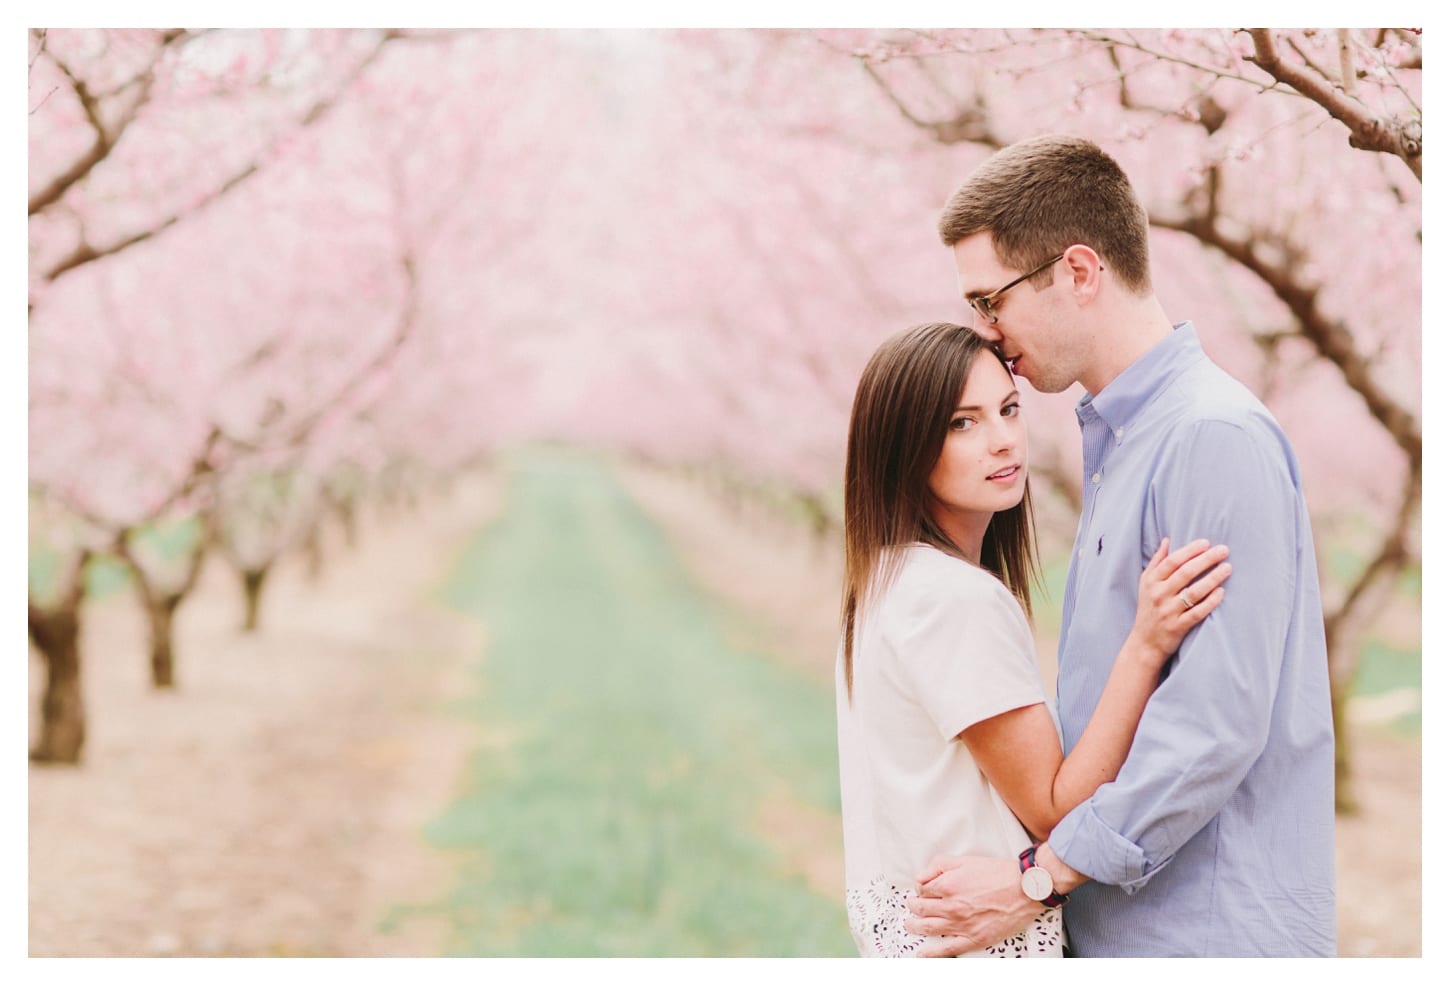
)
(1175, 592)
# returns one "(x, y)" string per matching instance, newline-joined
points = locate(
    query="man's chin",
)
(1052, 386)
(1021, 372)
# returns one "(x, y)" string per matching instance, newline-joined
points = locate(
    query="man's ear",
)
(1086, 268)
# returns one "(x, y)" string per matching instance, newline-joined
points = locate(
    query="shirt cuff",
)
(1085, 842)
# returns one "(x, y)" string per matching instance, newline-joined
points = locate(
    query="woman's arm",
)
(1019, 751)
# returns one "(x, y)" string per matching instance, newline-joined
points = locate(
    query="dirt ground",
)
(272, 804)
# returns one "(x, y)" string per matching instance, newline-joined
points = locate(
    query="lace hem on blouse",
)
(878, 912)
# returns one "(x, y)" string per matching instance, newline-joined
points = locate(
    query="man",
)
(1217, 836)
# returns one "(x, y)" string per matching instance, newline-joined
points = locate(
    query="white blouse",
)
(946, 645)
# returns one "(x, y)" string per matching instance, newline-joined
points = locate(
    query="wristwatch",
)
(1036, 881)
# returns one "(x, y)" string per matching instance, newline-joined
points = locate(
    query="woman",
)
(947, 746)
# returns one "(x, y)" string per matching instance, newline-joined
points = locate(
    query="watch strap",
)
(1027, 859)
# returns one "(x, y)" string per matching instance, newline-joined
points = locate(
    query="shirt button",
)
(1079, 554)
(1097, 477)
(1119, 433)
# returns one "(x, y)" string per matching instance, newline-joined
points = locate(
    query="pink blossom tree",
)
(145, 151)
(1282, 169)
(275, 273)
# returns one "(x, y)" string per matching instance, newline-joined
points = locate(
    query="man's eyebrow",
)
(972, 292)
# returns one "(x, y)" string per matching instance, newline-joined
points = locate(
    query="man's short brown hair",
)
(1040, 196)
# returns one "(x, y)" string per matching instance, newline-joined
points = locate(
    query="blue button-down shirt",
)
(1217, 838)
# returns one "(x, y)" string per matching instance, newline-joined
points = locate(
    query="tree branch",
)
(41, 37)
(1110, 41)
(106, 136)
(72, 591)
(1402, 138)
(1346, 63)
(1331, 338)
(968, 126)
(201, 468)
(1299, 50)
(121, 546)
(1394, 554)
(85, 253)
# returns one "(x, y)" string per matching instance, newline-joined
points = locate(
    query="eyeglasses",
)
(982, 303)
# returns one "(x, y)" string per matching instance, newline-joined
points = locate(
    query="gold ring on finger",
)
(1183, 598)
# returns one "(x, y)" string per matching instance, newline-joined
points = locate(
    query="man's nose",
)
(986, 330)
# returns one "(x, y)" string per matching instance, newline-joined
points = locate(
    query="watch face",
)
(1037, 883)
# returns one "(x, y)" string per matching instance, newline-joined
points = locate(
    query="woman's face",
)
(982, 467)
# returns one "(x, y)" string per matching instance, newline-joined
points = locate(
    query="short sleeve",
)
(965, 651)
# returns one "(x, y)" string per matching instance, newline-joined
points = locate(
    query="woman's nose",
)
(1004, 435)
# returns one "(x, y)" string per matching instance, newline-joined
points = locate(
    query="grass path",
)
(630, 743)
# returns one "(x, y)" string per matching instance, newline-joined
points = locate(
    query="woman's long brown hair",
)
(904, 403)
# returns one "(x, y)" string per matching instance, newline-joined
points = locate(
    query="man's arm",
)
(967, 903)
(1019, 751)
(1205, 725)
(1208, 721)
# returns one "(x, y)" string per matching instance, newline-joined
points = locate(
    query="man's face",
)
(1033, 328)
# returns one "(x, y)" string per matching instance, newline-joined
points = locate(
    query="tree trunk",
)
(252, 580)
(1345, 802)
(160, 605)
(56, 634)
(1345, 631)
(312, 551)
(347, 514)
(1347, 627)
(161, 616)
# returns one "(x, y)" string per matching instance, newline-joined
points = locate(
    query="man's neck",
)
(1132, 328)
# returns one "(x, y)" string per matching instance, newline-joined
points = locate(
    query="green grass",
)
(1047, 595)
(1383, 669)
(619, 820)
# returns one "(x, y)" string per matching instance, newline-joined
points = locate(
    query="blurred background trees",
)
(1306, 221)
(275, 275)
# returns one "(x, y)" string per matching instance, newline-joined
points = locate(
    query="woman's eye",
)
(1010, 411)
(960, 424)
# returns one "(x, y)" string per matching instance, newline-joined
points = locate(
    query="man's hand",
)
(968, 903)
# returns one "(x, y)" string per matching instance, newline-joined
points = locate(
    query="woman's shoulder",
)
(939, 596)
(929, 575)
(925, 560)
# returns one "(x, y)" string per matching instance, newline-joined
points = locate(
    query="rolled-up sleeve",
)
(1208, 721)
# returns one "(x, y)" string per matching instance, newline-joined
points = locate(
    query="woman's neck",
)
(965, 528)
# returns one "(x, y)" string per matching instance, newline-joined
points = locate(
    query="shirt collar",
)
(1134, 389)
